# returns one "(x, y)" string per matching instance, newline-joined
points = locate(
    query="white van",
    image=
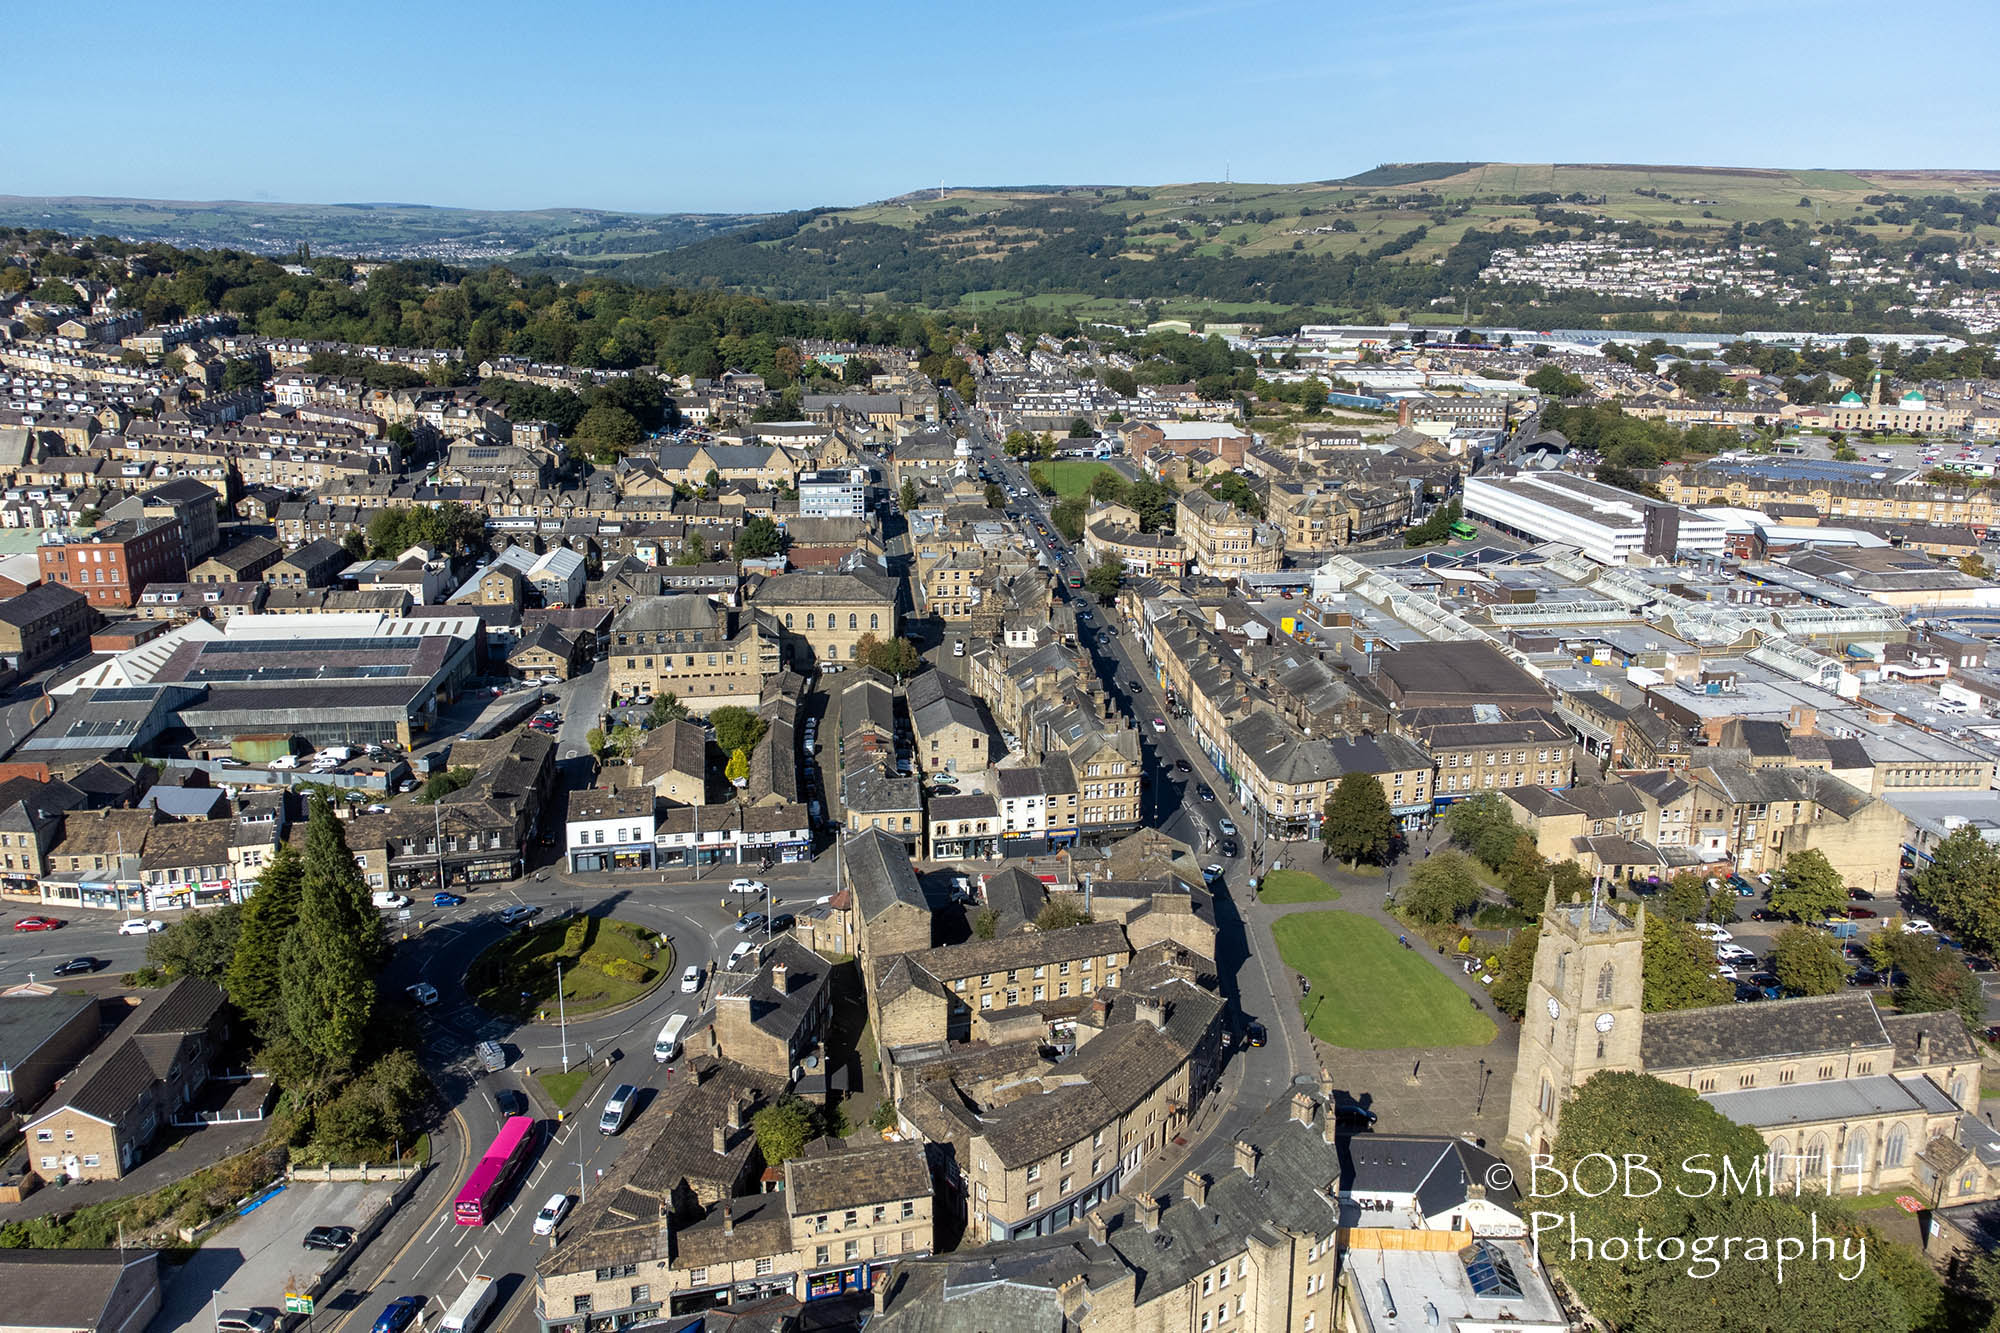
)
(667, 1047)
(388, 898)
(467, 1312)
(617, 1109)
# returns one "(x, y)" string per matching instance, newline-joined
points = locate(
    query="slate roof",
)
(878, 870)
(1437, 1169)
(1732, 1033)
(37, 602)
(1023, 949)
(851, 1177)
(67, 1289)
(758, 1227)
(109, 1081)
(1950, 1043)
(1841, 1099)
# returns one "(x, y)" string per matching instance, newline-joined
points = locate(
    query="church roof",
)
(1735, 1033)
(1842, 1099)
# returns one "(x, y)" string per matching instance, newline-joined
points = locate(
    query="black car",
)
(1201, 790)
(1253, 1034)
(1860, 896)
(510, 1102)
(329, 1238)
(782, 921)
(76, 965)
(1183, 766)
(1229, 847)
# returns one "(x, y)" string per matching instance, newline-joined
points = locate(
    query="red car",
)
(37, 923)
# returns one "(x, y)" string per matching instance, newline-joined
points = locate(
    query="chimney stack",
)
(728, 1219)
(735, 1113)
(1923, 1047)
(1246, 1159)
(882, 1295)
(1303, 1107)
(721, 1141)
(1149, 1211)
(1195, 1187)
(1100, 1230)
(1148, 1009)
(781, 978)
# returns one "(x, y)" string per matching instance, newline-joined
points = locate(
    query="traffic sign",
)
(297, 1304)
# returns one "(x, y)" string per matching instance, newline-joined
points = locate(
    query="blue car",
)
(445, 900)
(398, 1314)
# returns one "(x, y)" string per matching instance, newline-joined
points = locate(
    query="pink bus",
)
(495, 1171)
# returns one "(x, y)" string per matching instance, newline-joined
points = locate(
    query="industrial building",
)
(1609, 525)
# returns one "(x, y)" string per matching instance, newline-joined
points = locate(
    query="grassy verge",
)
(1072, 477)
(1296, 886)
(562, 1088)
(1369, 992)
(604, 963)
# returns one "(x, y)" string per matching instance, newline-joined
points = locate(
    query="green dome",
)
(1850, 397)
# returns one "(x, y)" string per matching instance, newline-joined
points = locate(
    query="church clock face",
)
(1555, 1008)
(1605, 1022)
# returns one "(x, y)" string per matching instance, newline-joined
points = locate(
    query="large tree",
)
(328, 973)
(758, 538)
(737, 728)
(1105, 578)
(1962, 886)
(1356, 823)
(1806, 962)
(1638, 1118)
(1483, 826)
(1441, 888)
(784, 1129)
(253, 982)
(1808, 888)
(1678, 967)
(200, 944)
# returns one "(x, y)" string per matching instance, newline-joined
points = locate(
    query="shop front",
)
(629, 856)
(839, 1281)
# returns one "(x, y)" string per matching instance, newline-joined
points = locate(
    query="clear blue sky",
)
(770, 104)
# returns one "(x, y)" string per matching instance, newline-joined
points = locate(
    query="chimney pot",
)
(781, 978)
(1923, 1046)
(1195, 1187)
(1303, 1107)
(882, 1295)
(1149, 1211)
(728, 1220)
(1100, 1230)
(1246, 1158)
(735, 1113)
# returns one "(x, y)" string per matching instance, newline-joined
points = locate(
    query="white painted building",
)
(1609, 525)
(611, 829)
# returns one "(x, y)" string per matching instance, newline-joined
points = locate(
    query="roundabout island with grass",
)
(603, 963)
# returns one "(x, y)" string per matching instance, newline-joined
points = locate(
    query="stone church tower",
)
(1584, 1013)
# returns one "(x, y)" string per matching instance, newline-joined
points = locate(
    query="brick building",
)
(112, 565)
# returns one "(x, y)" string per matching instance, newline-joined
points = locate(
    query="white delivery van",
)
(667, 1047)
(617, 1109)
(388, 898)
(469, 1310)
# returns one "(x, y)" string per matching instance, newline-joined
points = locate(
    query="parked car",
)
(552, 1214)
(329, 1238)
(748, 922)
(1715, 934)
(1160, 725)
(1253, 1034)
(748, 886)
(1201, 790)
(1860, 914)
(691, 979)
(1915, 925)
(1183, 766)
(398, 1314)
(737, 954)
(423, 993)
(444, 899)
(38, 923)
(782, 921)
(76, 965)
(1860, 896)
(139, 925)
(1227, 825)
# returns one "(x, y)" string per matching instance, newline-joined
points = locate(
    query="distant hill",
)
(1401, 237)
(380, 231)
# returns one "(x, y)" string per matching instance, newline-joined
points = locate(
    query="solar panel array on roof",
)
(125, 694)
(285, 645)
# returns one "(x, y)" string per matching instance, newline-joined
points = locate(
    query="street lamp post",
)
(562, 1019)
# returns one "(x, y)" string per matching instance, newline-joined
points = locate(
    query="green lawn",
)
(604, 963)
(1296, 886)
(562, 1088)
(1072, 476)
(1369, 992)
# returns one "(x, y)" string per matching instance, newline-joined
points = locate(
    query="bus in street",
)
(495, 1171)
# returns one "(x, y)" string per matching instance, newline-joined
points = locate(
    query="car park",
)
(1715, 934)
(141, 926)
(1915, 925)
(75, 966)
(329, 1238)
(38, 923)
(691, 979)
(552, 1214)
